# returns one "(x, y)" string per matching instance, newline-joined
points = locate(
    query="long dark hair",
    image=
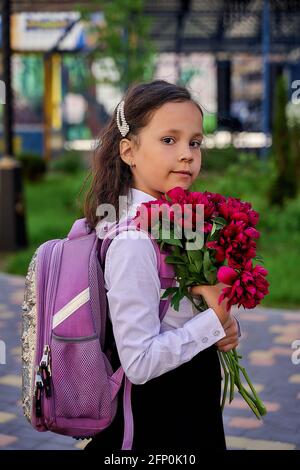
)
(110, 176)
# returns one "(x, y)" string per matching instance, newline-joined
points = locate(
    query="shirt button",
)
(217, 333)
(205, 339)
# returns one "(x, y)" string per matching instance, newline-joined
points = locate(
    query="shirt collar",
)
(135, 198)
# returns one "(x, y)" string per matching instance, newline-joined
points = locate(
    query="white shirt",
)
(147, 347)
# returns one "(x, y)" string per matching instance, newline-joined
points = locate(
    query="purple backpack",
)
(68, 384)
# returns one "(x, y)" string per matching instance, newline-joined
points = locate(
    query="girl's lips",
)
(180, 173)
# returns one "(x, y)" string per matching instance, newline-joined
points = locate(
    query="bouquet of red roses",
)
(209, 238)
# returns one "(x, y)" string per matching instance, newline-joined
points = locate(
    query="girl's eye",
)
(198, 143)
(167, 138)
(195, 141)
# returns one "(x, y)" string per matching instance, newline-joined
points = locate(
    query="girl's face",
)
(168, 144)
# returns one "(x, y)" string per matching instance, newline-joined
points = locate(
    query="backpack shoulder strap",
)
(79, 228)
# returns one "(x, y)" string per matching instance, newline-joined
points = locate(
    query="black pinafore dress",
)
(177, 411)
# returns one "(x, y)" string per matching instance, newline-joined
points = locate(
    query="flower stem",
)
(232, 368)
(231, 371)
(226, 375)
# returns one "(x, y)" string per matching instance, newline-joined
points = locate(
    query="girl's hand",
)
(211, 295)
(231, 339)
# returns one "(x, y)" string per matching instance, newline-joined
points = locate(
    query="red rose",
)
(227, 275)
(247, 288)
(177, 194)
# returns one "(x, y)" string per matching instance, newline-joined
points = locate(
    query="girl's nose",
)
(187, 156)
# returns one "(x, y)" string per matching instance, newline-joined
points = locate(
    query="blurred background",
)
(63, 69)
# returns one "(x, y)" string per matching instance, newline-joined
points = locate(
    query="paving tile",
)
(240, 404)
(6, 315)
(16, 351)
(280, 351)
(244, 423)
(275, 329)
(254, 317)
(6, 440)
(6, 417)
(16, 281)
(11, 380)
(291, 316)
(261, 358)
(258, 387)
(294, 379)
(285, 339)
(272, 406)
(244, 443)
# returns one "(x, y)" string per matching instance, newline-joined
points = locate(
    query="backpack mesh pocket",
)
(79, 392)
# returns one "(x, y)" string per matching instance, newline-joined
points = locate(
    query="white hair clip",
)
(121, 121)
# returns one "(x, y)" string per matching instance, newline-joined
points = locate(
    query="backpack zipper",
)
(42, 381)
(40, 302)
(38, 392)
(45, 361)
(43, 373)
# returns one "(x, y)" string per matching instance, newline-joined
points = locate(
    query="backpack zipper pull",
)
(45, 361)
(38, 394)
(45, 370)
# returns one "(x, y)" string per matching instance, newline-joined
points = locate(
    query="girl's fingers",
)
(196, 291)
(231, 326)
(228, 347)
(228, 323)
(231, 335)
(226, 341)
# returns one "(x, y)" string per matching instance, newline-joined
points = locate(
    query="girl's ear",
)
(125, 149)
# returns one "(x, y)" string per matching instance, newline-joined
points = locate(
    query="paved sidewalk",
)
(266, 347)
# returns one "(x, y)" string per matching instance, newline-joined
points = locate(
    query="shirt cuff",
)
(205, 329)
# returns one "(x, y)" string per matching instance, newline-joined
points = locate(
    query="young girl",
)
(153, 135)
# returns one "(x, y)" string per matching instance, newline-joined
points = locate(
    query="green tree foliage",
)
(285, 181)
(124, 37)
(293, 112)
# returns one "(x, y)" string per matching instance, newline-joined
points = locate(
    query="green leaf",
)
(220, 221)
(214, 229)
(209, 269)
(174, 259)
(168, 291)
(196, 258)
(206, 261)
(258, 258)
(176, 251)
(168, 198)
(213, 236)
(174, 241)
(211, 276)
(176, 300)
(193, 269)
